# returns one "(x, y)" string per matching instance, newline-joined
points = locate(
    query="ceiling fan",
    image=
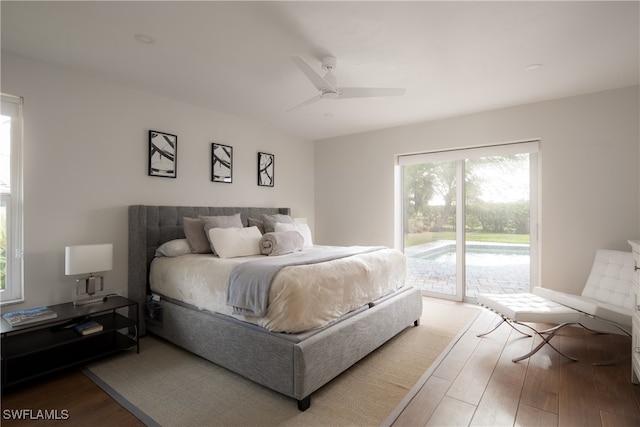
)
(328, 85)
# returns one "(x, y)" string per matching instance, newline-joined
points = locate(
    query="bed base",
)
(295, 369)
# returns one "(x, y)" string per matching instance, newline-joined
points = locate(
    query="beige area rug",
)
(165, 385)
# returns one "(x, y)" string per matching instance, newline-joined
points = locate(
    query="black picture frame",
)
(221, 163)
(266, 169)
(163, 154)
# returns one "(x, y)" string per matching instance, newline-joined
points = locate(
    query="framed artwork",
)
(163, 150)
(221, 163)
(265, 169)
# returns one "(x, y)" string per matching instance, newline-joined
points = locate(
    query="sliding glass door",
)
(469, 220)
(498, 224)
(430, 222)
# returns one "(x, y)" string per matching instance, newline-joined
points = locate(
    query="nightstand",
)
(50, 345)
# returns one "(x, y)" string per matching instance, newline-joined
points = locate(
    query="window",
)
(11, 285)
(469, 222)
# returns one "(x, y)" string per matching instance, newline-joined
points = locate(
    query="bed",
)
(294, 364)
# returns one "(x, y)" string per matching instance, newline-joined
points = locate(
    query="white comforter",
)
(301, 297)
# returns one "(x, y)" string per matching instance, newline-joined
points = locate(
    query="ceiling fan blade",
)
(318, 81)
(368, 92)
(308, 101)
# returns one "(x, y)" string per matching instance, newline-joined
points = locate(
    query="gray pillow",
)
(194, 232)
(270, 221)
(257, 223)
(222, 221)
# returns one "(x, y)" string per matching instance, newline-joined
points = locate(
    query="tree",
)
(418, 180)
(430, 191)
(446, 189)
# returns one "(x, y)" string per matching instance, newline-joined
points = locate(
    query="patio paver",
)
(440, 277)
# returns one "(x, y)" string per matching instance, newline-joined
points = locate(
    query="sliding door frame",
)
(532, 147)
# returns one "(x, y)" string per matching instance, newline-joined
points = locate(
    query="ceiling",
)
(453, 58)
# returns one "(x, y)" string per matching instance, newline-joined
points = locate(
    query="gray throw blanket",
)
(281, 242)
(250, 282)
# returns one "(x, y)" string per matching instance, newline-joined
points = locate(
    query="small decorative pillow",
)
(256, 223)
(235, 242)
(303, 229)
(270, 221)
(174, 248)
(222, 221)
(194, 232)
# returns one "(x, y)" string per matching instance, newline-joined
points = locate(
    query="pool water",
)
(484, 256)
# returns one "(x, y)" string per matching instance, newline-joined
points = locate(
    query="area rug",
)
(165, 385)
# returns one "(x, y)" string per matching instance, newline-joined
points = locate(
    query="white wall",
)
(590, 180)
(85, 161)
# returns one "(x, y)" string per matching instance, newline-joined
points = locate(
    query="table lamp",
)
(88, 259)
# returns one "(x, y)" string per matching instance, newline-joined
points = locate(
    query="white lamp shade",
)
(88, 259)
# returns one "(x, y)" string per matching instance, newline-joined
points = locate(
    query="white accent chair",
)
(607, 298)
(605, 305)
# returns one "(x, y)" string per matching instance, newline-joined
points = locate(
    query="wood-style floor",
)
(69, 396)
(476, 384)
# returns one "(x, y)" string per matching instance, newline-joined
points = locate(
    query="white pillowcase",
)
(174, 248)
(303, 229)
(234, 242)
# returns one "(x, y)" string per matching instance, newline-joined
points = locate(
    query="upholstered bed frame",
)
(294, 365)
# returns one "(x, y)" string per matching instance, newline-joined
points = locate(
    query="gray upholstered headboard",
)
(151, 226)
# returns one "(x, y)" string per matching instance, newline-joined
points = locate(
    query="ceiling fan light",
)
(143, 38)
(532, 67)
(330, 95)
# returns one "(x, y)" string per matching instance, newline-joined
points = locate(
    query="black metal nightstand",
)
(42, 347)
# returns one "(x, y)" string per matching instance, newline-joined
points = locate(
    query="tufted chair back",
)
(610, 278)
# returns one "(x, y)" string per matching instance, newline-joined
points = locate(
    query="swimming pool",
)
(485, 255)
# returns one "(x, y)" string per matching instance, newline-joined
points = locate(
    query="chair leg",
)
(612, 361)
(546, 340)
(497, 325)
(615, 359)
(592, 331)
(551, 332)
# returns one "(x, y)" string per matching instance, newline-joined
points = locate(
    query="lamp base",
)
(90, 284)
(86, 301)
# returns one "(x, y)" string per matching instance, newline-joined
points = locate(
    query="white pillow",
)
(234, 242)
(173, 248)
(303, 229)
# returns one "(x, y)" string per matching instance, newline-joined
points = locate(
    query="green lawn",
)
(420, 238)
